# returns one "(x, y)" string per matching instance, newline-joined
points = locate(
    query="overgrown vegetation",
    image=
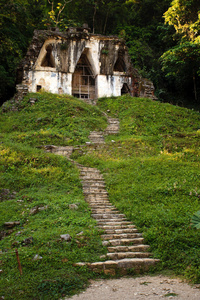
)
(152, 175)
(37, 189)
(53, 119)
(151, 169)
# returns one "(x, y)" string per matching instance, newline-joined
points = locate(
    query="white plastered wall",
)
(57, 82)
(54, 82)
(110, 85)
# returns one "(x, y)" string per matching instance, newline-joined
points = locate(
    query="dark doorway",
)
(83, 80)
(48, 60)
(120, 65)
(125, 89)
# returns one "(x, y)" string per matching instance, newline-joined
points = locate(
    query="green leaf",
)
(195, 220)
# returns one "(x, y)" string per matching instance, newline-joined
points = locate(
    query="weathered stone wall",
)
(52, 58)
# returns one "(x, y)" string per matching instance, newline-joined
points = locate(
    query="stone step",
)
(134, 248)
(116, 226)
(95, 135)
(121, 266)
(103, 210)
(107, 216)
(122, 255)
(112, 222)
(97, 193)
(111, 120)
(95, 190)
(112, 127)
(123, 242)
(88, 176)
(93, 185)
(93, 181)
(91, 176)
(93, 204)
(98, 196)
(88, 169)
(101, 203)
(120, 236)
(110, 131)
(98, 200)
(97, 141)
(119, 231)
(96, 132)
(109, 221)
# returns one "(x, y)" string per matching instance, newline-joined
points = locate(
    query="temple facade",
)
(78, 63)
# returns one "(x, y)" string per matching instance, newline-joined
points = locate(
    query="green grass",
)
(53, 119)
(38, 179)
(152, 174)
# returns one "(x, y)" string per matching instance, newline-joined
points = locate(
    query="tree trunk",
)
(105, 24)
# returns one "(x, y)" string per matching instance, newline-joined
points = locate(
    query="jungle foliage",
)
(163, 37)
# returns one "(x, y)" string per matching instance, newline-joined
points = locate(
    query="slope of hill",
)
(151, 169)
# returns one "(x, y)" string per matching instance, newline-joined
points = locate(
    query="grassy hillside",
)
(37, 189)
(152, 173)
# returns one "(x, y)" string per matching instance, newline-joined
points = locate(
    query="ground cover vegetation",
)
(43, 193)
(162, 36)
(151, 169)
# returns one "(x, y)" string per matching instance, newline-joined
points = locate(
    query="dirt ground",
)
(145, 287)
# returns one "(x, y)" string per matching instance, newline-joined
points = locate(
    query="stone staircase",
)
(125, 246)
(96, 137)
(113, 126)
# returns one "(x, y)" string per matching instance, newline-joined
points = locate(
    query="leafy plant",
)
(195, 220)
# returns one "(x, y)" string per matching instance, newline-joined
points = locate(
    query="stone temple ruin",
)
(78, 63)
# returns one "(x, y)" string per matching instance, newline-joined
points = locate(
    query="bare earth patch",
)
(145, 287)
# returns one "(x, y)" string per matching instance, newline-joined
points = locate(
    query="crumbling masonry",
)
(81, 64)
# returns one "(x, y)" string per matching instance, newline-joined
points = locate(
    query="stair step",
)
(121, 266)
(102, 203)
(120, 236)
(119, 231)
(93, 185)
(97, 193)
(88, 169)
(133, 248)
(111, 223)
(108, 216)
(103, 210)
(116, 226)
(122, 255)
(94, 190)
(123, 242)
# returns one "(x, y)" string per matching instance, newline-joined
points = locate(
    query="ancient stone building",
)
(81, 64)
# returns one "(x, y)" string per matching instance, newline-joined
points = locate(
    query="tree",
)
(53, 17)
(17, 21)
(184, 15)
(182, 62)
